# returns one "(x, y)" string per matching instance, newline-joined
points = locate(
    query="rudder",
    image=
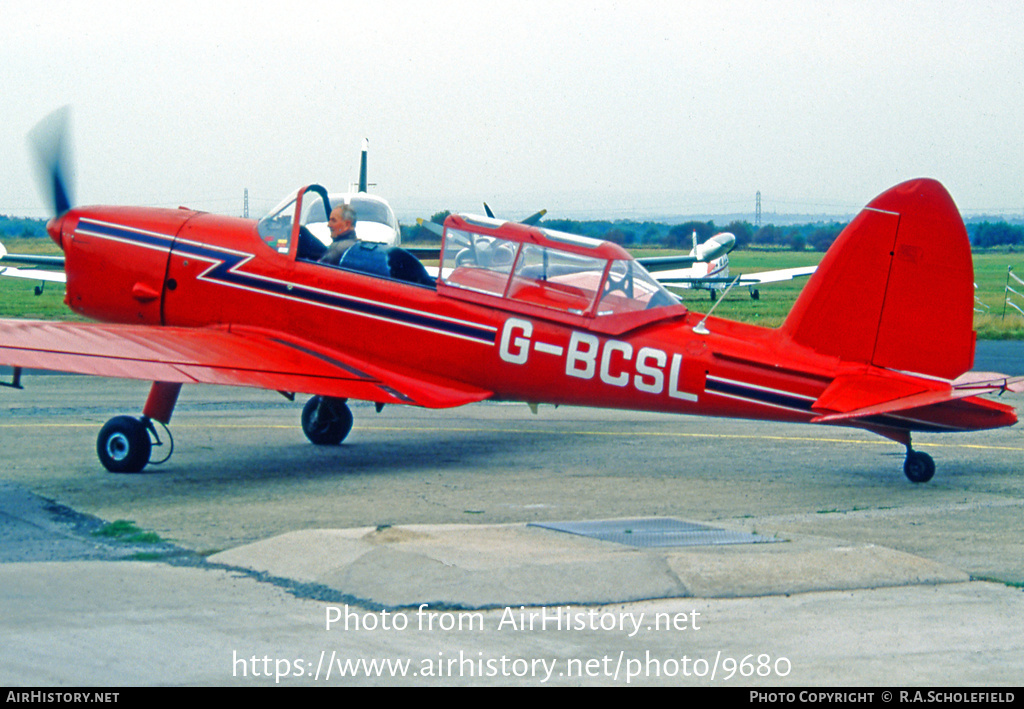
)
(896, 289)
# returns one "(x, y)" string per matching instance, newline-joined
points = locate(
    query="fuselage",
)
(185, 268)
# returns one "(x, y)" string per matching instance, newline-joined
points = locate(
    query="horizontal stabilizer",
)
(859, 396)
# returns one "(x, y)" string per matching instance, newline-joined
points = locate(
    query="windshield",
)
(371, 210)
(276, 228)
(630, 287)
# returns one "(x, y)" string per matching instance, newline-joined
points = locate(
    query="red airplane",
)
(515, 313)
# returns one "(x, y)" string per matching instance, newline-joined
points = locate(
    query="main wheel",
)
(123, 445)
(326, 421)
(919, 467)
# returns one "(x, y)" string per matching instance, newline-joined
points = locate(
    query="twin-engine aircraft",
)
(515, 313)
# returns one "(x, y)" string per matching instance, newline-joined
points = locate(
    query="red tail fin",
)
(896, 289)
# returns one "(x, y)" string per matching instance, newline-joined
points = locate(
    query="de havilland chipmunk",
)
(515, 313)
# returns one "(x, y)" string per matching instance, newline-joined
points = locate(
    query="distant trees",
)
(22, 227)
(681, 235)
(743, 231)
(997, 234)
(823, 236)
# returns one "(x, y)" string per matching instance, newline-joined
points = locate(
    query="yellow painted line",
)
(719, 436)
(521, 431)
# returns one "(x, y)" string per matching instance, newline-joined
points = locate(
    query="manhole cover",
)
(657, 532)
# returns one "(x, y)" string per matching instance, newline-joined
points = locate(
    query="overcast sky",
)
(583, 108)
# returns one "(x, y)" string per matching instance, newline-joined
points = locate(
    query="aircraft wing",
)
(686, 277)
(34, 274)
(785, 274)
(660, 264)
(32, 260)
(227, 356)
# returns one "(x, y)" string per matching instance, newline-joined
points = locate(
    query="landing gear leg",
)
(124, 444)
(918, 467)
(326, 421)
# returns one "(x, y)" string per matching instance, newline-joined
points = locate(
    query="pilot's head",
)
(343, 218)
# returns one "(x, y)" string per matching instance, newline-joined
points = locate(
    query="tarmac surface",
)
(412, 555)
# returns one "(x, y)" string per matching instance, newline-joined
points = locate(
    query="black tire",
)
(919, 467)
(123, 445)
(327, 424)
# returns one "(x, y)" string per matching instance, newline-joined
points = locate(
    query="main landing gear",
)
(125, 443)
(326, 420)
(918, 467)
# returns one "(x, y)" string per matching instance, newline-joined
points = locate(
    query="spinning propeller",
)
(50, 140)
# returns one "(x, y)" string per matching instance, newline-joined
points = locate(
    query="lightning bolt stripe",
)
(225, 265)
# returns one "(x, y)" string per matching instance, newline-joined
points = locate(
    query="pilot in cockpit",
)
(343, 233)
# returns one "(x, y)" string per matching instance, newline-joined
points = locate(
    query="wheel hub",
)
(118, 447)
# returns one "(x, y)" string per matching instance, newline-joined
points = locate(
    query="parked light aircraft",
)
(707, 268)
(516, 313)
(375, 220)
(34, 274)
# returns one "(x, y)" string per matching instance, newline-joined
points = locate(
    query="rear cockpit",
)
(546, 269)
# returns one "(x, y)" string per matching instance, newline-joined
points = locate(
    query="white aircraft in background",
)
(33, 274)
(375, 220)
(707, 267)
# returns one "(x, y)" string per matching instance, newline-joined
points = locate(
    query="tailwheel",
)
(326, 421)
(124, 445)
(918, 467)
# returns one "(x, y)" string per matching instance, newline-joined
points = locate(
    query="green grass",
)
(125, 530)
(17, 295)
(776, 299)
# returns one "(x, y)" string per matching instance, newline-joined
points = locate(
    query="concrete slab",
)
(126, 623)
(488, 566)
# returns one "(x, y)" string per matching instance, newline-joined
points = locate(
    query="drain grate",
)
(654, 532)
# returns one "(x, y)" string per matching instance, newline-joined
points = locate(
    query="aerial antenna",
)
(700, 328)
